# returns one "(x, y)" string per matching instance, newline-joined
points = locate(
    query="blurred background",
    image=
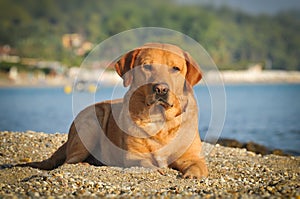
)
(255, 44)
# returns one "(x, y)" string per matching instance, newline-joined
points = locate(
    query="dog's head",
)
(159, 74)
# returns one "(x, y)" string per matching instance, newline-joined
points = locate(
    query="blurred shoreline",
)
(256, 76)
(250, 76)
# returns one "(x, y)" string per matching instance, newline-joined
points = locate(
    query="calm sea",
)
(266, 114)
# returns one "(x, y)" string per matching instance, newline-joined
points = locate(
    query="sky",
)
(253, 6)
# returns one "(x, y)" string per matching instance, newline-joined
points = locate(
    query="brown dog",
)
(155, 125)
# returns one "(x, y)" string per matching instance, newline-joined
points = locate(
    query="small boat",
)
(81, 86)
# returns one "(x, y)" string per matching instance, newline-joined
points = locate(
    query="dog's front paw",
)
(196, 171)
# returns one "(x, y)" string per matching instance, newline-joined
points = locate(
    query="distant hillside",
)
(234, 40)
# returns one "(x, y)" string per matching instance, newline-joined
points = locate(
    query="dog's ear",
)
(194, 74)
(124, 65)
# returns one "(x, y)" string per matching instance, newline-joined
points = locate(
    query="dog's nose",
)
(161, 89)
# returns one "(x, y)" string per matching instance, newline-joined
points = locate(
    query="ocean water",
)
(265, 114)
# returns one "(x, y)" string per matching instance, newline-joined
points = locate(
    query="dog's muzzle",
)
(160, 95)
(161, 89)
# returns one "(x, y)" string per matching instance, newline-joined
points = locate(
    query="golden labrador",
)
(155, 124)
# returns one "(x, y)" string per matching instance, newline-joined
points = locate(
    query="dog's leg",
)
(190, 163)
(57, 159)
(191, 167)
(76, 150)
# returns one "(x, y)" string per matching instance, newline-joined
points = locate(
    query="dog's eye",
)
(176, 68)
(148, 67)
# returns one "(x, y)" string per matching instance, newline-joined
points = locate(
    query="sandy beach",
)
(234, 173)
